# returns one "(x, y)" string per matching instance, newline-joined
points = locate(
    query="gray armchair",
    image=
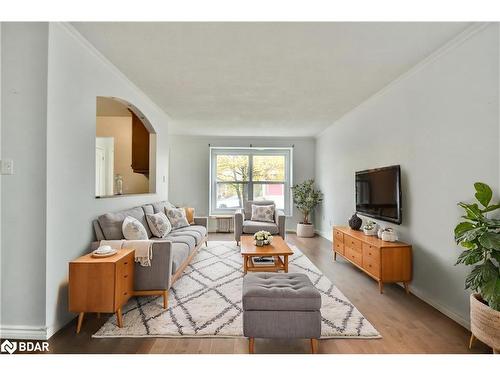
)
(244, 225)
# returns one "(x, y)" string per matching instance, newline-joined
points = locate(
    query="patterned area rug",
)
(206, 301)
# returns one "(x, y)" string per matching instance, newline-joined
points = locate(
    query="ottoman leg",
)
(251, 342)
(314, 346)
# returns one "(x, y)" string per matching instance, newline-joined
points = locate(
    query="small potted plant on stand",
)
(479, 235)
(306, 198)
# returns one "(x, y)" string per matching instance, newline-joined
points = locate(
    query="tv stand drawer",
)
(353, 255)
(353, 243)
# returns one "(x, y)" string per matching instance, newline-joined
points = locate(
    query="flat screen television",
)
(378, 193)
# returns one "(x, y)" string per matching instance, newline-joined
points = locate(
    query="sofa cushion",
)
(186, 232)
(159, 224)
(177, 217)
(251, 227)
(180, 238)
(161, 206)
(197, 232)
(180, 252)
(279, 292)
(148, 209)
(133, 229)
(111, 223)
(198, 228)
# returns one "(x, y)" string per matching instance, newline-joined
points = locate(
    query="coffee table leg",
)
(245, 259)
(285, 262)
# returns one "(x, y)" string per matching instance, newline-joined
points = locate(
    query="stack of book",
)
(263, 261)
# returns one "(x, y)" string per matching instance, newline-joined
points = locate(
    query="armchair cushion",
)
(263, 213)
(251, 227)
(248, 207)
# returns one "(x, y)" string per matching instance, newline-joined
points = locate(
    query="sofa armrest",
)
(238, 224)
(203, 221)
(157, 276)
(280, 221)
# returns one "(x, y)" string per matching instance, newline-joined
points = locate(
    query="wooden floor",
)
(406, 323)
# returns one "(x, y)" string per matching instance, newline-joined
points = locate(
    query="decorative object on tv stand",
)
(370, 228)
(262, 238)
(306, 198)
(478, 235)
(355, 222)
(119, 184)
(389, 234)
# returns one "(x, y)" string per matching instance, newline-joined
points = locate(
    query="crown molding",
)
(75, 34)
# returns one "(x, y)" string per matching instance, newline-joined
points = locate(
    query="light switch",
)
(7, 166)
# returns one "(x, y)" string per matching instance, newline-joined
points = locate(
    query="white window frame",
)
(287, 152)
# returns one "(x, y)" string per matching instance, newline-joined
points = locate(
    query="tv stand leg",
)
(381, 287)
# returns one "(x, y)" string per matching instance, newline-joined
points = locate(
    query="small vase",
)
(259, 243)
(355, 222)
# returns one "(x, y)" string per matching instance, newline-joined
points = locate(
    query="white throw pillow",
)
(263, 213)
(133, 229)
(177, 217)
(159, 224)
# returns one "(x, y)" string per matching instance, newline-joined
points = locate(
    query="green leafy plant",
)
(306, 198)
(479, 235)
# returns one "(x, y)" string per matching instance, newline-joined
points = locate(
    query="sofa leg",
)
(165, 299)
(314, 346)
(251, 343)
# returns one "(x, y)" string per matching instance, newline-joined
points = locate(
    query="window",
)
(241, 174)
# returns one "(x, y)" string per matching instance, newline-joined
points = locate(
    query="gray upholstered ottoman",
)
(281, 305)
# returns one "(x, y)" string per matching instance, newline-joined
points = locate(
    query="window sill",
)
(123, 195)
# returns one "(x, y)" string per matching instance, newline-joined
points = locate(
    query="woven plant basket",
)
(485, 322)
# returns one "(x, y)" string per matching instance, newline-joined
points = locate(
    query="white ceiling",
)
(270, 79)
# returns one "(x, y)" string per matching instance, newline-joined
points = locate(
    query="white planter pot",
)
(305, 230)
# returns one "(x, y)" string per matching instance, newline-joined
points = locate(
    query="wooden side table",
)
(101, 285)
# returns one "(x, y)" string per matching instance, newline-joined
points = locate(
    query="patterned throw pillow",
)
(159, 224)
(133, 229)
(177, 217)
(262, 213)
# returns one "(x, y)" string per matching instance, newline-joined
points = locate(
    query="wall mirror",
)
(124, 149)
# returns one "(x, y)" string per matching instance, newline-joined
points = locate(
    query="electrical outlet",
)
(7, 166)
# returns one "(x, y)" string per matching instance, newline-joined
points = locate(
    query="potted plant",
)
(370, 228)
(306, 198)
(479, 235)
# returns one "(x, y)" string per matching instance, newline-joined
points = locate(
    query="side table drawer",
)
(339, 247)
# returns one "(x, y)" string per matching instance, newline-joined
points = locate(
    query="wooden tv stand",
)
(386, 262)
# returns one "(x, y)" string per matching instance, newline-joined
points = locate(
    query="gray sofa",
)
(243, 225)
(170, 255)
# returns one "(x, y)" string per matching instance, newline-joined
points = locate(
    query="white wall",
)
(77, 74)
(23, 214)
(189, 167)
(440, 122)
(52, 77)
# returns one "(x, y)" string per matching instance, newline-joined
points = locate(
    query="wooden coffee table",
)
(277, 249)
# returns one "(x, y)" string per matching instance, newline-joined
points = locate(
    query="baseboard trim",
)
(439, 307)
(23, 332)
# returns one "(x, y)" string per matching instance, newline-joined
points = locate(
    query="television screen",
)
(378, 193)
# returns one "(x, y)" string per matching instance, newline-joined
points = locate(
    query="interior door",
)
(100, 171)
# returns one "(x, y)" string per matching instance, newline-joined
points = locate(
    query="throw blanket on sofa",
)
(143, 249)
